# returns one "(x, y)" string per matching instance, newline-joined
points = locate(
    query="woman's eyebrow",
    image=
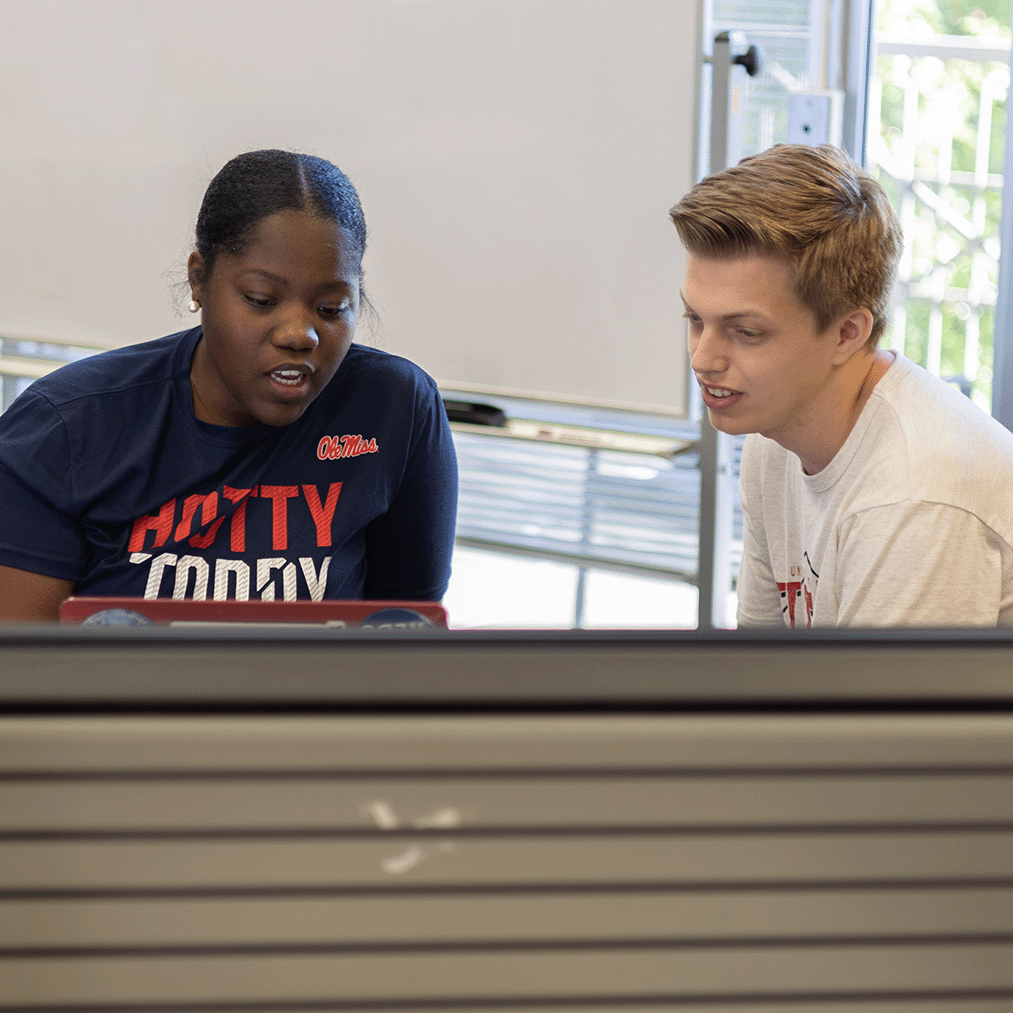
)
(269, 275)
(338, 283)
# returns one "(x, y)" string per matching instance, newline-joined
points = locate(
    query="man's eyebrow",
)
(728, 316)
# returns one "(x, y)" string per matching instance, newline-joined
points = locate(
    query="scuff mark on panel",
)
(383, 815)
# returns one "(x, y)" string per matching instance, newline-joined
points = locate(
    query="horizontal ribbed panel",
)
(741, 863)
(486, 803)
(511, 976)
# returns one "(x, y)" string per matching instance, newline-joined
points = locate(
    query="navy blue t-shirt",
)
(108, 479)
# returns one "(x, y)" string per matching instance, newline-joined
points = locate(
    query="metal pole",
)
(855, 48)
(1002, 347)
(714, 571)
(733, 59)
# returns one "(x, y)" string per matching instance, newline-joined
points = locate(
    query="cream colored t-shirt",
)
(911, 523)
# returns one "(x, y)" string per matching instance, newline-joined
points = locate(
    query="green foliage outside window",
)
(936, 162)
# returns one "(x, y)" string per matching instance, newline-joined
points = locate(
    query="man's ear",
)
(852, 333)
(195, 275)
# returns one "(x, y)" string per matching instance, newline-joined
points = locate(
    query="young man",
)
(873, 493)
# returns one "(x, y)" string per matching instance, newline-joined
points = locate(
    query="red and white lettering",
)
(158, 565)
(323, 514)
(331, 448)
(240, 572)
(266, 583)
(237, 535)
(161, 524)
(316, 582)
(209, 510)
(279, 496)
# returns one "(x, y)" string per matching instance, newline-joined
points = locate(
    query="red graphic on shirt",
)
(168, 521)
(209, 512)
(331, 448)
(791, 592)
(794, 591)
(174, 569)
(808, 604)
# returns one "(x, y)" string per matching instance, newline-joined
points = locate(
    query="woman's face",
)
(278, 318)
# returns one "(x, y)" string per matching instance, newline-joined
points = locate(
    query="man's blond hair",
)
(811, 207)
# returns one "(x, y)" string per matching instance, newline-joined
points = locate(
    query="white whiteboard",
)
(516, 161)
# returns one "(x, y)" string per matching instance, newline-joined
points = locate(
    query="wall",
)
(516, 163)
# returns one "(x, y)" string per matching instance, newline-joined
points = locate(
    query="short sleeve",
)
(409, 548)
(39, 531)
(919, 564)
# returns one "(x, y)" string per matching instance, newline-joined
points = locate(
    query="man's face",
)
(761, 364)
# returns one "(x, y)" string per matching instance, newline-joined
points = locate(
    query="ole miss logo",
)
(331, 448)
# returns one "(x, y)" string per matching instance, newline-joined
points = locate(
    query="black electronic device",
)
(475, 414)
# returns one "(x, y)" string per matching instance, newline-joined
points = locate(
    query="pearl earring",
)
(194, 306)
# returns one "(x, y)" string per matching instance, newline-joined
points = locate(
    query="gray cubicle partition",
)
(238, 822)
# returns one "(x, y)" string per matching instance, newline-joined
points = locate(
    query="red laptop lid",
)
(188, 612)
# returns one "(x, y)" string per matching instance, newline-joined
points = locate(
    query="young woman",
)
(259, 455)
